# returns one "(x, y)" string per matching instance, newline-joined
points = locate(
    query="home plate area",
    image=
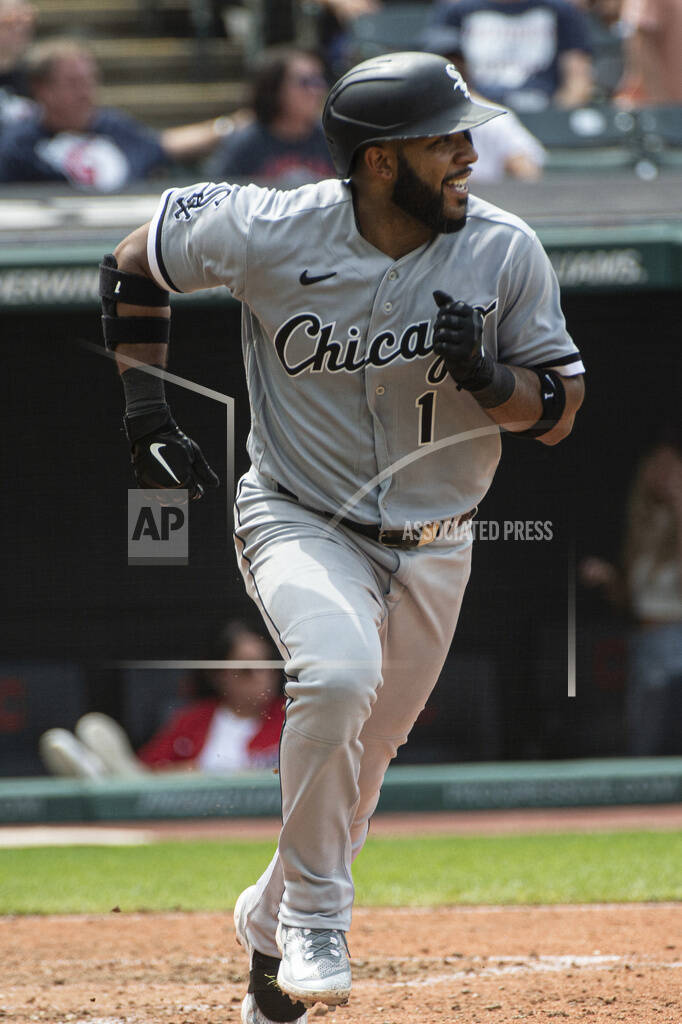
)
(410, 966)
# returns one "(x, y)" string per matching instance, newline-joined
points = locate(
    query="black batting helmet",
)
(397, 96)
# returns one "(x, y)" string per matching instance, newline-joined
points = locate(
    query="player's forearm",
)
(524, 408)
(135, 322)
(131, 256)
(152, 355)
(536, 403)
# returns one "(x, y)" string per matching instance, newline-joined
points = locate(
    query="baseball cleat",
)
(315, 966)
(251, 1014)
(264, 1003)
(241, 908)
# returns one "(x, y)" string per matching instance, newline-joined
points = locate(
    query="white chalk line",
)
(46, 835)
(501, 966)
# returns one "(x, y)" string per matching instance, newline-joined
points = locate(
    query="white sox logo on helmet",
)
(460, 84)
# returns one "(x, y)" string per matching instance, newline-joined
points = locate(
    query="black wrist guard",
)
(137, 427)
(144, 393)
(553, 397)
(119, 286)
(498, 391)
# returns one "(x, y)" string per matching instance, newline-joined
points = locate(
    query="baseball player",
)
(392, 324)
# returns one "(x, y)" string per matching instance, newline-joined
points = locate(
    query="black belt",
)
(405, 538)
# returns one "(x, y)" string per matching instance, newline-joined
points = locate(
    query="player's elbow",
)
(131, 253)
(575, 395)
(559, 432)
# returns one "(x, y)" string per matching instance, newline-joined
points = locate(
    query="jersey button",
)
(388, 306)
(393, 274)
(380, 390)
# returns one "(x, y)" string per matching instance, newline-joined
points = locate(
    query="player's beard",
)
(425, 204)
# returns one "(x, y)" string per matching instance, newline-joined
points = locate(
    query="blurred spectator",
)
(17, 21)
(284, 145)
(525, 54)
(653, 71)
(334, 18)
(235, 725)
(70, 139)
(505, 147)
(649, 586)
(607, 37)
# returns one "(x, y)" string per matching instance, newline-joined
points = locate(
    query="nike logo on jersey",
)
(306, 279)
(155, 449)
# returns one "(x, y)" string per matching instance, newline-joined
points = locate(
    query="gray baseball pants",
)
(364, 630)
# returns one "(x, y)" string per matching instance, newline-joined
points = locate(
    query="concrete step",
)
(137, 60)
(162, 105)
(112, 16)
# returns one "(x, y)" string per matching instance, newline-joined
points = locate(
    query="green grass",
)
(403, 872)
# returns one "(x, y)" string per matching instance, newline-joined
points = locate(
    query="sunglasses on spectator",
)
(309, 81)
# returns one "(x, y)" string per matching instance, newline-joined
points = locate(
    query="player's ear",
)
(381, 160)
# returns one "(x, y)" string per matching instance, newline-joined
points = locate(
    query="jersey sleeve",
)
(199, 236)
(531, 328)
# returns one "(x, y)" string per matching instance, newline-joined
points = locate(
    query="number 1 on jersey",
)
(426, 404)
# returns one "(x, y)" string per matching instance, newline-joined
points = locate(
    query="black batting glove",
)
(164, 457)
(458, 339)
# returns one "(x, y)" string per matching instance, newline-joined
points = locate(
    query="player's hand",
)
(166, 458)
(458, 339)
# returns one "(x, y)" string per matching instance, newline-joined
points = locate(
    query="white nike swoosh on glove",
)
(154, 449)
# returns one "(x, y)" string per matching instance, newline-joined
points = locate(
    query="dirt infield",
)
(494, 965)
(417, 966)
(634, 817)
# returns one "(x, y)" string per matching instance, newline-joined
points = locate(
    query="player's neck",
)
(386, 227)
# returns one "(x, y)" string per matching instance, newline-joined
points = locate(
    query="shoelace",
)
(320, 942)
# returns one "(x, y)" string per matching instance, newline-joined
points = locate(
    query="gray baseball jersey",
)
(346, 392)
(351, 407)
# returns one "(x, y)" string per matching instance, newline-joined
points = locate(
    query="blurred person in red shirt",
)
(237, 725)
(232, 725)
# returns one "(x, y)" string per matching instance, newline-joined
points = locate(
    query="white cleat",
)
(241, 909)
(315, 967)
